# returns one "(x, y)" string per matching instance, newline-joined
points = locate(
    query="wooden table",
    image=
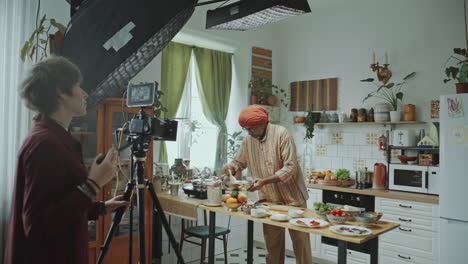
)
(377, 229)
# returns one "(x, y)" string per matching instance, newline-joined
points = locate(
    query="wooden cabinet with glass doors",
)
(96, 132)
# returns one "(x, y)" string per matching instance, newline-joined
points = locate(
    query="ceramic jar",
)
(410, 113)
(362, 115)
(381, 112)
(354, 114)
(370, 115)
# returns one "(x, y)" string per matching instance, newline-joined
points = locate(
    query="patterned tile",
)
(321, 150)
(359, 164)
(372, 139)
(337, 138)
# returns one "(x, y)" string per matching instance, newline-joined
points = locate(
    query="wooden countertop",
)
(377, 229)
(418, 197)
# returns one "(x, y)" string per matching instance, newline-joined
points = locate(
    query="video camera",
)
(143, 95)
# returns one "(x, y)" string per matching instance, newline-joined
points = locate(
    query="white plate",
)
(307, 222)
(351, 232)
(275, 217)
(210, 204)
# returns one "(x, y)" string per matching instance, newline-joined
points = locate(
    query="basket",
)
(328, 183)
(348, 182)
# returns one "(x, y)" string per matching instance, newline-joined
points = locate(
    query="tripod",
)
(140, 146)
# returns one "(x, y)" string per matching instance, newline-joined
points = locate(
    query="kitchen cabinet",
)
(417, 238)
(96, 132)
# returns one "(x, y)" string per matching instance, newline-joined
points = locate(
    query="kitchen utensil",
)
(337, 219)
(364, 178)
(380, 176)
(295, 213)
(405, 159)
(365, 218)
(280, 217)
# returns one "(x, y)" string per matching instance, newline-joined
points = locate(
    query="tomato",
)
(345, 214)
(314, 223)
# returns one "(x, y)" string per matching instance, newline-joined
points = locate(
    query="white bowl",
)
(280, 217)
(295, 213)
(258, 212)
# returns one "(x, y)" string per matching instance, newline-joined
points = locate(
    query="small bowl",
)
(405, 159)
(295, 213)
(366, 218)
(258, 212)
(322, 214)
(378, 215)
(337, 219)
(232, 207)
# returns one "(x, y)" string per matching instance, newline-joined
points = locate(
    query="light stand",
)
(140, 144)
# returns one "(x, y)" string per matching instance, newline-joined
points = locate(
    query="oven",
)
(365, 202)
(413, 178)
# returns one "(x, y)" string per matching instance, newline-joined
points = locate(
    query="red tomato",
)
(345, 214)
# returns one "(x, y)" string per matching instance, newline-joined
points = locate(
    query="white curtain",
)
(16, 24)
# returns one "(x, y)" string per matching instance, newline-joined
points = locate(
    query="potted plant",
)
(309, 123)
(459, 71)
(234, 141)
(260, 92)
(391, 93)
(42, 41)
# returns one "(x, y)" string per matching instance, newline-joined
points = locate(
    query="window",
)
(196, 136)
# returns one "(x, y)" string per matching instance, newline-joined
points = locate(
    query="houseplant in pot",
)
(309, 123)
(261, 91)
(390, 93)
(458, 71)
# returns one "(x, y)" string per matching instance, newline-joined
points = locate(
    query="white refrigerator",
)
(453, 195)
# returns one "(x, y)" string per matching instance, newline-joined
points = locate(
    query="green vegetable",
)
(342, 174)
(323, 207)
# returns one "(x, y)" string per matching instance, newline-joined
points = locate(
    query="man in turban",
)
(269, 153)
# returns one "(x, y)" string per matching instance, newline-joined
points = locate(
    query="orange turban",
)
(253, 116)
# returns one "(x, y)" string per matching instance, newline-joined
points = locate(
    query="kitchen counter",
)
(418, 197)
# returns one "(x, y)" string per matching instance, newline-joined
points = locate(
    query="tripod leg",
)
(115, 223)
(141, 210)
(157, 238)
(163, 219)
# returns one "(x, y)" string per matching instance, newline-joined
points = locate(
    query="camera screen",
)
(141, 95)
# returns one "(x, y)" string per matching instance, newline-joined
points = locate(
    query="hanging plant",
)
(41, 42)
(309, 123)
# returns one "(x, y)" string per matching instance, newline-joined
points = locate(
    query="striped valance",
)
(315, 95)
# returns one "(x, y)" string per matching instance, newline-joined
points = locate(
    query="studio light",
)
(248, 14)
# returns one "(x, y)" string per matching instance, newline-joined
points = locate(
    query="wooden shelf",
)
(372, 123)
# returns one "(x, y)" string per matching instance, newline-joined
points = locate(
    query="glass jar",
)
(178, 169)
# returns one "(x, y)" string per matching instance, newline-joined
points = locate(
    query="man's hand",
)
(114, 203)
(257, 185)
(229, 169)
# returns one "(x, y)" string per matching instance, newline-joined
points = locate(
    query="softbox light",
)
(247, 14)
(112, 40)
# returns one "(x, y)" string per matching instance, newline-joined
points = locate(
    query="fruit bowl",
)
(232, 207)
(405, 159)
(378, 215)
(337, 219)
(321, 214)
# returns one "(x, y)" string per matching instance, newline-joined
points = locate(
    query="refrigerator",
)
(453, 195)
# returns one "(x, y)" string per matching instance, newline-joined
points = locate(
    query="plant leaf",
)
(399, 96)
(390, 85)
(24, 50)
(409, 76)
(367, 97)
(58, 25)
(368, 80)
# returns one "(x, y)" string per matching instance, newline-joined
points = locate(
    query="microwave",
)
(414, 178)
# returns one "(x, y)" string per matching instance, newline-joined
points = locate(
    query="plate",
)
(307, 222)
(352, 230)
(274, 217)
(210, 204)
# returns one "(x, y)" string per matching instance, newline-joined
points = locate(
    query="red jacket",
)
(48, 221)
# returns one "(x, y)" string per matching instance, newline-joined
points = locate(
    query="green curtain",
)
(174, 68)
(215, 68)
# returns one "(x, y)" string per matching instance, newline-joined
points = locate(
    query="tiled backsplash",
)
(350, 147)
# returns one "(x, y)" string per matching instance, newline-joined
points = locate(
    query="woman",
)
(54, 194)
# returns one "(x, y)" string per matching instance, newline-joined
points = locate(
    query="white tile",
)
(326, 163)
(348, 138)
(337, 163)
(341, 151)
(365, 152)
(353, 152)
(360, 139)
(348, 163)
(326, 138)
(332, 150)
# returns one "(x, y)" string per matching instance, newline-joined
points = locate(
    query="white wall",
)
(337, 40)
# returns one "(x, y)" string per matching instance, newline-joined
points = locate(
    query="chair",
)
(189, 230)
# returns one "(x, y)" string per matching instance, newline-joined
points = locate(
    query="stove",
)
(366, 202)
